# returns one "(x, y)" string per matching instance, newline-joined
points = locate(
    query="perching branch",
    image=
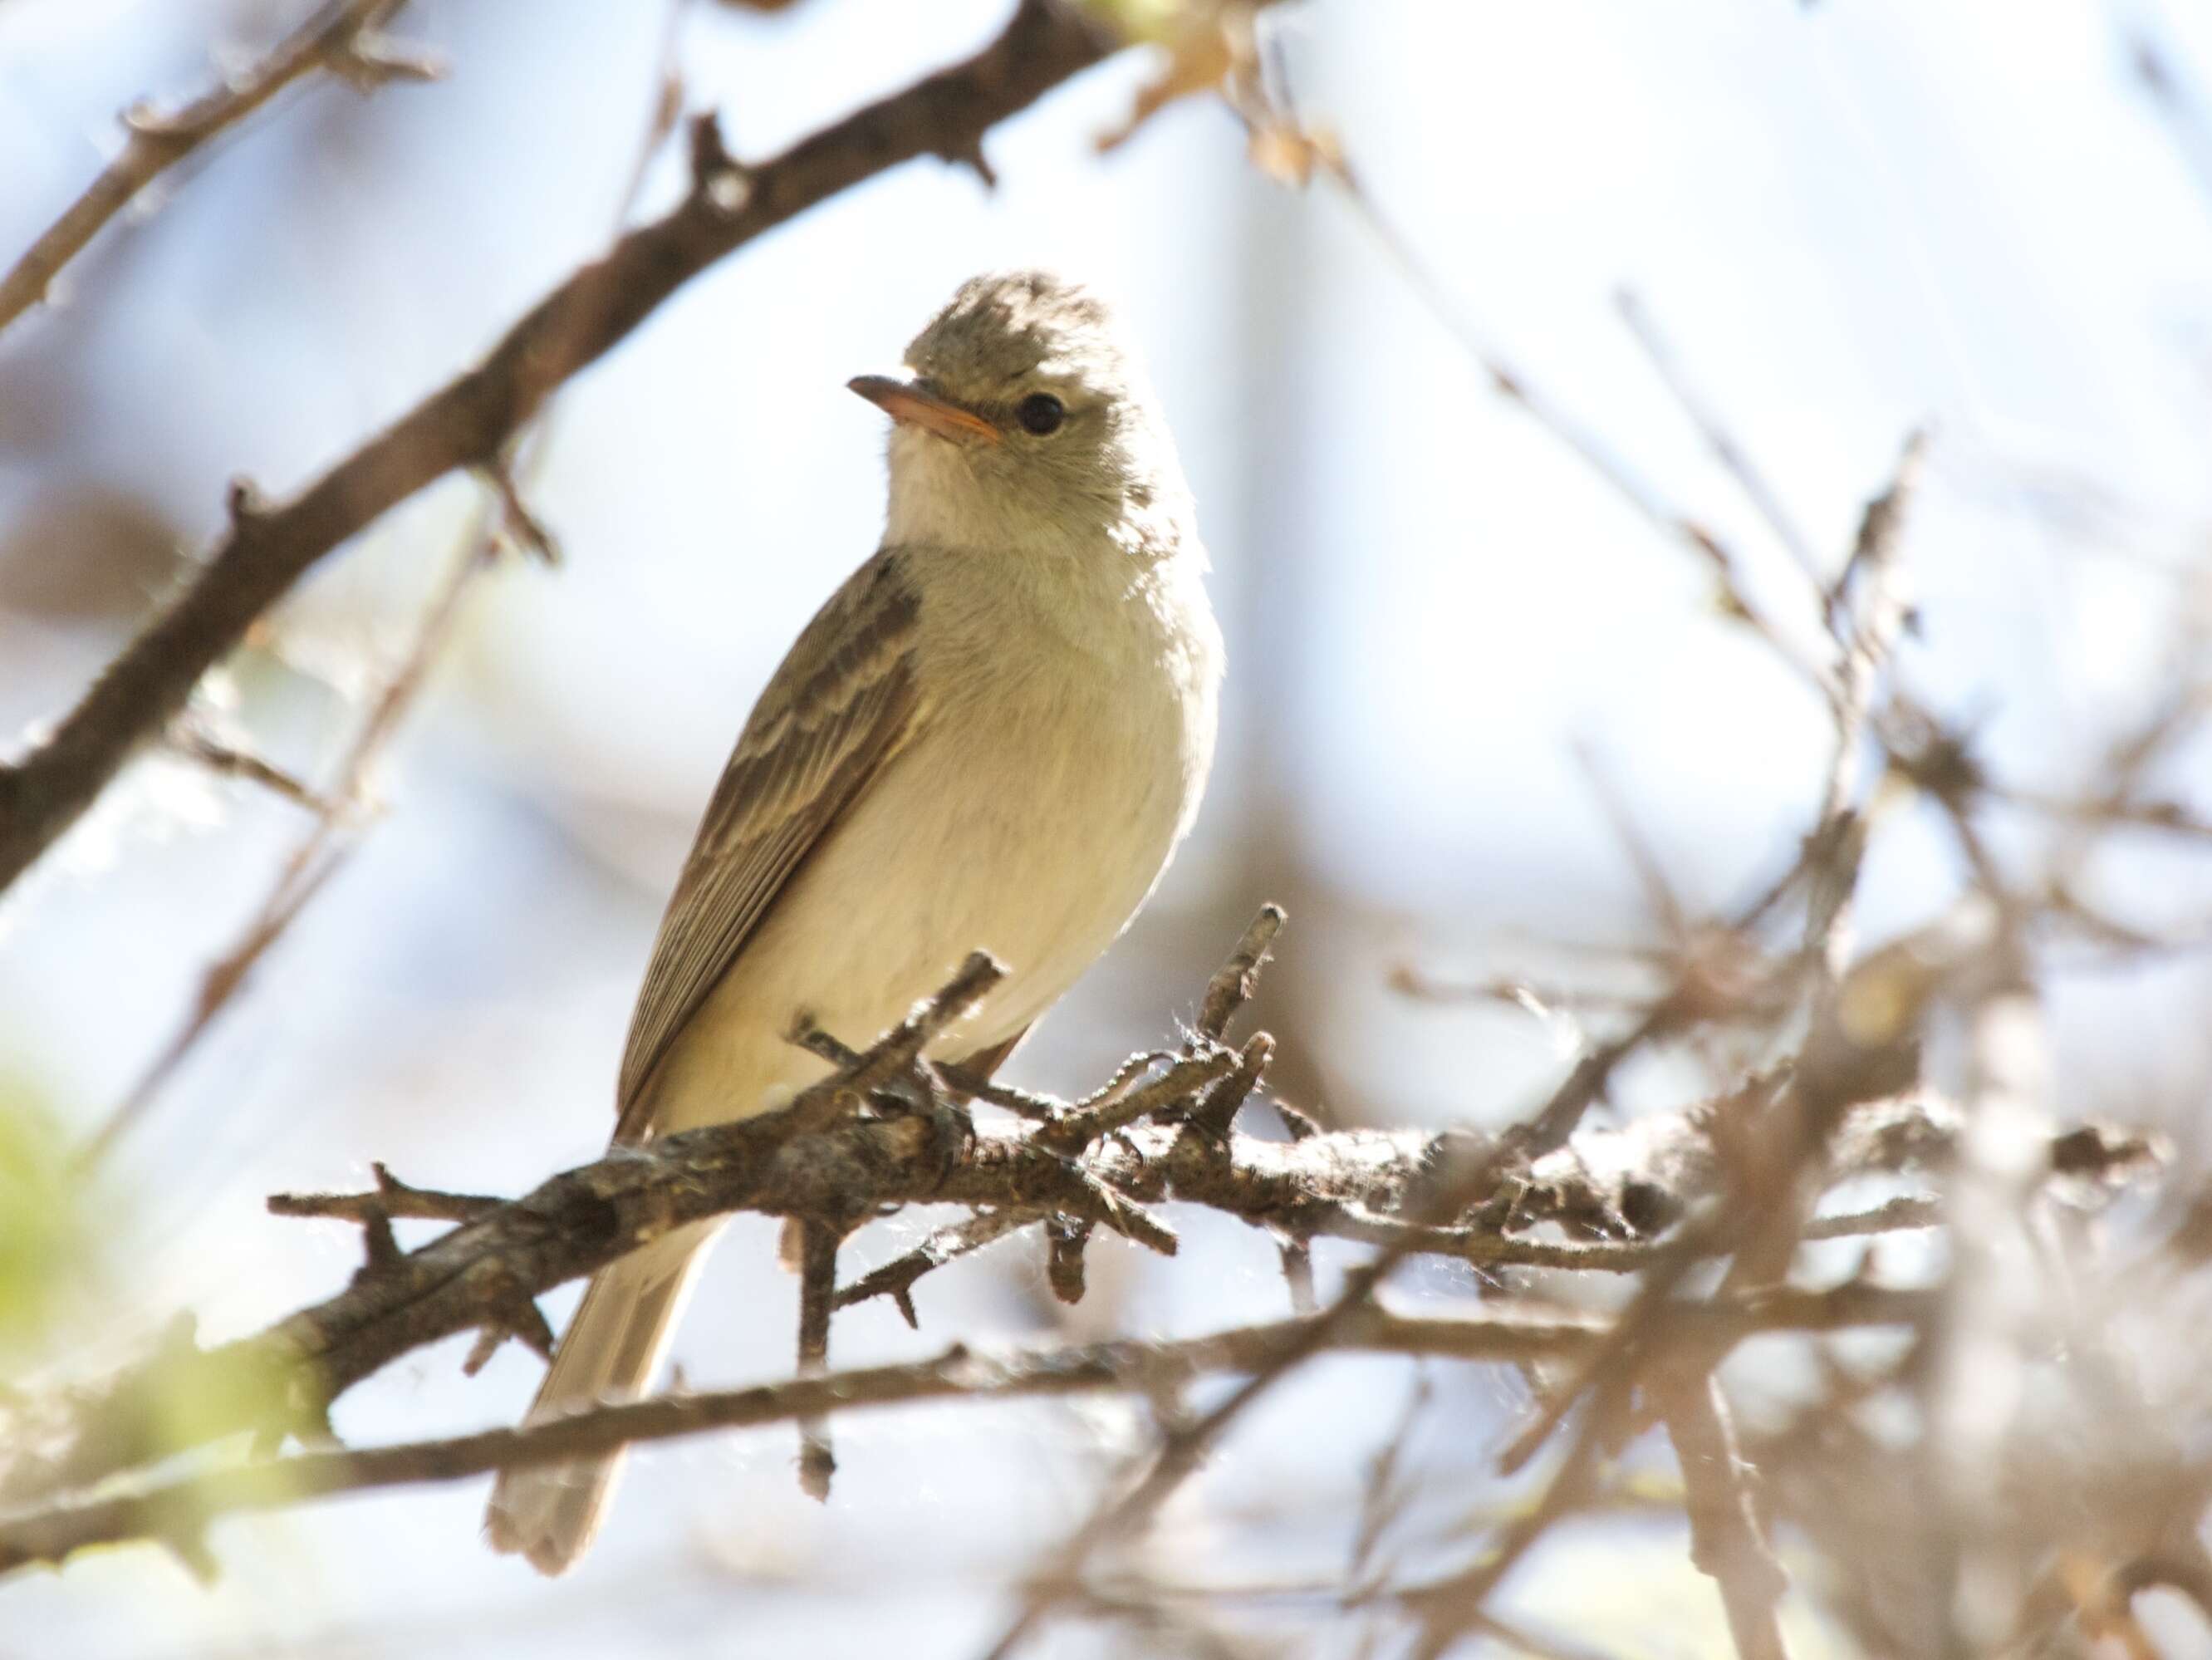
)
(467, 423)
(1618, 1188)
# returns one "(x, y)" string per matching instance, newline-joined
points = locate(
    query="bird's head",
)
(1022, 420)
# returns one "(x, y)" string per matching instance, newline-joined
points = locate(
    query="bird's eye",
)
(1039, 413)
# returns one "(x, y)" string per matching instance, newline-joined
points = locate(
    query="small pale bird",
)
(993, 736)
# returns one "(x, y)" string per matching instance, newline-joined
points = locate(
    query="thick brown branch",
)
(466, 421)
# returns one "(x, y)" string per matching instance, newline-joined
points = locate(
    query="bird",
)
(992, 737)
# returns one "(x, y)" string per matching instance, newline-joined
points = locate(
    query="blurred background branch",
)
(343, 37)
(468, 422)
(346, 807)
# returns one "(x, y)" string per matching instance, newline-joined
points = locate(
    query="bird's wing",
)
(842, 703)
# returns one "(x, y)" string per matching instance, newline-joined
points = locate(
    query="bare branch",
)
(896, 1278)
(392, 1200)
(158, 1510)
(1726, 448)
(1064, 1267)
(466, 421)
(1726, 1540)
(518, 523)
(1092, 1121)
(1236, 979)
(344, 809)
(1866, 611)
(863, 1151)
(342, 37)
(226, 761)
(1344, 1183)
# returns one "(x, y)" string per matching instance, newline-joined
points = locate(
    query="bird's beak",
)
(902, 400)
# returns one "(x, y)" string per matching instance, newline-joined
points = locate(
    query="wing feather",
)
(842, 703)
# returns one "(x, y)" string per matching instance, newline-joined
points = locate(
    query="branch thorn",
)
(245, 504)
(717, 178)
(517, 522)
(971, 156)
(370, 60)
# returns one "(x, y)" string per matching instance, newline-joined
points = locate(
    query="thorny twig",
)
(896, 1278)
(1234, 982)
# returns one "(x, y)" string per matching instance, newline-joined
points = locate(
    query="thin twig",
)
(227, 761)
(340, 37)
(896, 1278)
(1450, 1606)
(321, 851)
(899, 1050)
(1581, 441)
(1727, 1541)
(392, 1200)
(175, 1510)
(1731, 454)
(1080, 1126)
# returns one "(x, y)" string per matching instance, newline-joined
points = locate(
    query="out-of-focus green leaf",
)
(1142, 20)
(44, 1237)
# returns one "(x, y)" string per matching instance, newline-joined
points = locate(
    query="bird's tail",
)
(550, 1513)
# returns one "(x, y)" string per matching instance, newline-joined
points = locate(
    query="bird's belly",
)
(1039, 860)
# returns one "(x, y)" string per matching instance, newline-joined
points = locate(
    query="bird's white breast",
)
(1066, 728)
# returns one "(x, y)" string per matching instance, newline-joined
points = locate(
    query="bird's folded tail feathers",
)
(550, 1513)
